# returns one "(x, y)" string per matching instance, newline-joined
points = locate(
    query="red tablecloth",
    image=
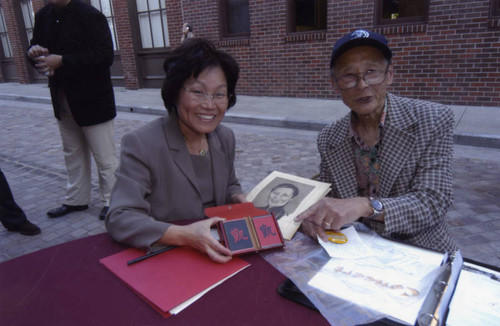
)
(66, 285)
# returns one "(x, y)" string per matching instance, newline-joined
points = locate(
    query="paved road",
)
(31, 158)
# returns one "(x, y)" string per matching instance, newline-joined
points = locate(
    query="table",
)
(66, 285)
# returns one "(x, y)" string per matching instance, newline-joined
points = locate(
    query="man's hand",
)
(48, 64)
(53, 61)
(36, 51)
(332, 214)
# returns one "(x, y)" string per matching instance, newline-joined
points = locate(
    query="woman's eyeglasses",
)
(200, 96)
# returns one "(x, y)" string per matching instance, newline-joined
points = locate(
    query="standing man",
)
(11, 215)
(72, 45)
(389, 159)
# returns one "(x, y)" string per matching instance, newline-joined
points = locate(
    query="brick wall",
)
(17, 39)
(124, 34)
(455, 60)
(270, 65)
(37, 4)
(452, 59)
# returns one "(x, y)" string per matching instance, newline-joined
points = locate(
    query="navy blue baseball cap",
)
(360, 37)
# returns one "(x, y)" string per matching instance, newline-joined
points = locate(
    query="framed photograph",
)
(286, 196)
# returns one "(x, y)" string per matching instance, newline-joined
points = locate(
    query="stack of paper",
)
(381, 275)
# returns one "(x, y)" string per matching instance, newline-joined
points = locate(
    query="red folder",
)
(234, 211)
(171, 278)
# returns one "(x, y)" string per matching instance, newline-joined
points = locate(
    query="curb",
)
(477, 140)
(462, 138)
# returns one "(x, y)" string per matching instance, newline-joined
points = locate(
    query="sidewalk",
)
(475, 125)
(32, 160)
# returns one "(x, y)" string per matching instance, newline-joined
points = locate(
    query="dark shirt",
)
(278, 211)
(367, 162)
(203, 169)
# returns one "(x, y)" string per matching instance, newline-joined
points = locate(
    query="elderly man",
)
(389, 159)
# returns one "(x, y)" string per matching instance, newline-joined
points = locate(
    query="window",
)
(152, 16)
(235, 18)
(106, 7)
(401, 11)
(306, 15)
(28, 17)
(4, 37)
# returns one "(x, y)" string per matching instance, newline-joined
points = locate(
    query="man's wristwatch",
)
(377, 207)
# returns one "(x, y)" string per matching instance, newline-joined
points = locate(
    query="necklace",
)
(199, 149)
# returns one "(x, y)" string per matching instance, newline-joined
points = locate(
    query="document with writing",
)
(394, 280)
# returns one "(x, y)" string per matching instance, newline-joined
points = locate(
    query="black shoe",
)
(103, 213)
(26, 228)
(66, 209)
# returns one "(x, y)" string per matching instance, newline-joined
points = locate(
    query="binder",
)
(435, 309)
(435, 306)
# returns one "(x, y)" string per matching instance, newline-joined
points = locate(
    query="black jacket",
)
(79, 33)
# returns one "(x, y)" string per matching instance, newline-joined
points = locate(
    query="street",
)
(32, 161)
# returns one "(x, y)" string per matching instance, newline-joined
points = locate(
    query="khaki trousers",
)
(78, 142)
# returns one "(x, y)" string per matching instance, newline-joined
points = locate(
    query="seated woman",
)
(174, 167)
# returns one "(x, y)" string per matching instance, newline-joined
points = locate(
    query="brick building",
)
(444, 50)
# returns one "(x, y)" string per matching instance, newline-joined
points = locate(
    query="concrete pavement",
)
(475, 125)
(31, 158)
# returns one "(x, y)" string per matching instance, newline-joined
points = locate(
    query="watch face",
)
(377, 205)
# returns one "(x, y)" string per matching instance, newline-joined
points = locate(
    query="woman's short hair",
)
(288, 185)
(189, 60)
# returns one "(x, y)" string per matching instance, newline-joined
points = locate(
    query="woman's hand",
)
(198, 236)
(239, 198)
(332, 214)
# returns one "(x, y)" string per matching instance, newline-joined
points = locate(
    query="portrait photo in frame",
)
(286, 196)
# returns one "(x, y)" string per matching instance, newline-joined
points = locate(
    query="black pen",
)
(151, 254)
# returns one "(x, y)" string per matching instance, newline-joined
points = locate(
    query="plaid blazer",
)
(415, 170)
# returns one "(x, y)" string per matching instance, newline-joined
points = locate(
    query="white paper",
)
(476, 300)
(394, 280)
(193, 299)
(353, 248)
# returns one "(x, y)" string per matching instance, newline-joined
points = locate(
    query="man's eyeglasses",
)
(372, 77)
(200, 96)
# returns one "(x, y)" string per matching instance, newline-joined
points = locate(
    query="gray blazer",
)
(156, 182)
(415, 165)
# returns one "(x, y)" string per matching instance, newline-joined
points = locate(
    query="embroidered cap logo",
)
(360, 33)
